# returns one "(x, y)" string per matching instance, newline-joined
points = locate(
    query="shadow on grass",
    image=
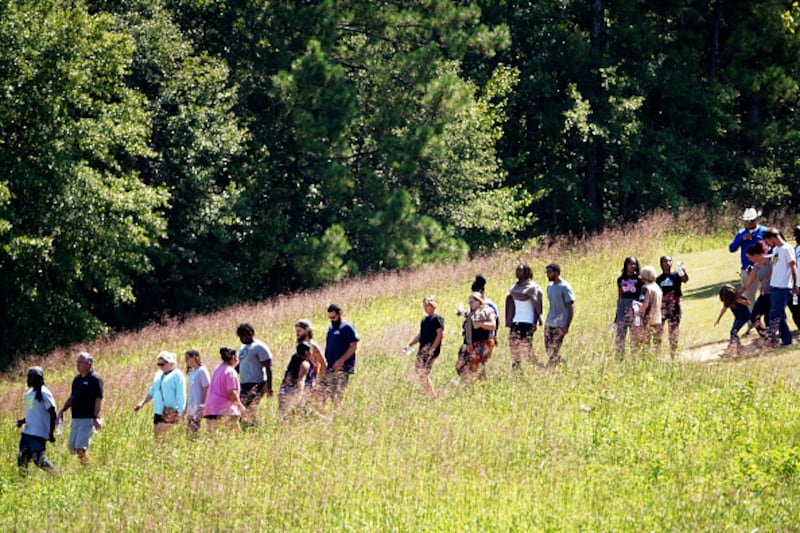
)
(706, 291)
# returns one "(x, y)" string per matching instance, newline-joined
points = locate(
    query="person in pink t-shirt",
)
(222, 403)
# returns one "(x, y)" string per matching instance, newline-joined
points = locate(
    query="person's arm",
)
(234, 397)
(98, 405)
(737, 241)
(351, 351)
(752, 276)
(66, 406)
(268, 366)
(180, 393)
(414, 341)
(510, 310)
(316, 354)
(570, 315)
(438, 340)
(538, 306)
(685, 276)
(53, 418)
(721, 312)
(642, 311)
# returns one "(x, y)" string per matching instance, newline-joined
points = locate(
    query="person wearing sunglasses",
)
(168, 393)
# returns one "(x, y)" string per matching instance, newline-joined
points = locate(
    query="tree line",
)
(171, 156)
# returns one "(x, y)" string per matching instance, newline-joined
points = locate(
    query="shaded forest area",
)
(174, 156)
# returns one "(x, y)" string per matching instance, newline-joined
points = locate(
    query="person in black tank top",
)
(292, 394)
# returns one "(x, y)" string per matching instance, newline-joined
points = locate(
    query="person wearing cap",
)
(479, 328)
(304, 332)
(85, 403)
(670, 282)
(744, 238)
(783, 284)
(341, 344)
(561, 298)
(255, 370)
(39, 422)
(168, 392)
(293, 392)
(431, 332)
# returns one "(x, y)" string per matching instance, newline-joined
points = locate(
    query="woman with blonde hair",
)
(647, 315)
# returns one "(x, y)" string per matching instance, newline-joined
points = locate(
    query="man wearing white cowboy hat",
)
(744, 239)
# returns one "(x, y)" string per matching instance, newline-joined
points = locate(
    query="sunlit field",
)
(600, 444)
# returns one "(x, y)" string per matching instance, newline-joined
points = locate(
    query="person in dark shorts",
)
(431, 332)
(523, 313)
(255, 370)
(39, 422)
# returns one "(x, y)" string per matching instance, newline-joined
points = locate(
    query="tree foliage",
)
(172, 156)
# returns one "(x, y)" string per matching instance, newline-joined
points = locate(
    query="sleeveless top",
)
(292, 372)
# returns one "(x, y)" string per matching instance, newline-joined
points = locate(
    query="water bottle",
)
(681, 272)
(405, 351)
(637, 321)
(60, 426)
(794, 300)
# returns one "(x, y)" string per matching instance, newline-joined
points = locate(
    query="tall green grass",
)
(599, 444)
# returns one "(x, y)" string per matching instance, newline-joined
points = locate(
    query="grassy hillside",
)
(600, 444)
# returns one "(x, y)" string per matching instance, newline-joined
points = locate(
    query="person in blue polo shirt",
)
(340, 354)
(744, 239)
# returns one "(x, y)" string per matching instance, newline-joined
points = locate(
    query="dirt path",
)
(715, 351)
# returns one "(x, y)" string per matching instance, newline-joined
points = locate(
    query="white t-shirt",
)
(199, 379)
(783, 257)
(37, 416)
(523, 311)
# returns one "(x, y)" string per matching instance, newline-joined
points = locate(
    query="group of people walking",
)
(524, 313)
(769, 270)
(228, 396)
(647, 304)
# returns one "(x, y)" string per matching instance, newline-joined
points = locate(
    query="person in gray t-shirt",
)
(560, 314)
(255, 369)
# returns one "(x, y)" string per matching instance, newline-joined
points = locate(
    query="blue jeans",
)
(777, 315)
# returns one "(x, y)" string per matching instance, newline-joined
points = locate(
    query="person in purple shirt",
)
(744, 239)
